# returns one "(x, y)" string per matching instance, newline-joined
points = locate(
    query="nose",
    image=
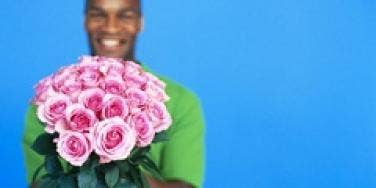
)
(112, 24)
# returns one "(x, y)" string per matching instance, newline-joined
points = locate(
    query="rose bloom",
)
(159, 115)
(42, 96)
(89, 75)
(74, 147)
(131, 67)
(66, 81)
(135, 97)
(113, 84)
(79, 118)
(92, 99)
(111, 66)
(113, 139)
(43, 90)
(155, 92)
(53, 110)
(115, 68)
(87, 59)
(114, 105)
(155, 80)
(144, 129)
(134, 80)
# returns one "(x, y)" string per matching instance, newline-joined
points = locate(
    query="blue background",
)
(288, 87)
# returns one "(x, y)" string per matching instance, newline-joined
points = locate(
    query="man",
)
(112, 27)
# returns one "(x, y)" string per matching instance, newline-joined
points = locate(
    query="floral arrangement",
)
(100, 115)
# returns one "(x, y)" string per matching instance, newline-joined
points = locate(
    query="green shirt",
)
(180, 158)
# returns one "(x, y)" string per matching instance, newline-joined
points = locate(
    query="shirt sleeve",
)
(182, 157)
(33, 128)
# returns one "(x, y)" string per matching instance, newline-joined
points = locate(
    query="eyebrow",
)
(95, 8)
(133, 10)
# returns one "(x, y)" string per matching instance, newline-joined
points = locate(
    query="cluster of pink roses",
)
(102, 105)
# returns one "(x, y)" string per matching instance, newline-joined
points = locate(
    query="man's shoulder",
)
(177, 92)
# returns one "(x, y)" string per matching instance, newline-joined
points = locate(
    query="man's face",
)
(112, 27)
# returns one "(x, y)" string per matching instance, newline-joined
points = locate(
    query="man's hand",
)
(170, 184)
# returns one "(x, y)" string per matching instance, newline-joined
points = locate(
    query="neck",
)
(129, 56)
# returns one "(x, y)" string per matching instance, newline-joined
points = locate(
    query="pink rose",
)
(80, 118)
(113, 139)
(89, 74)
(159, 115)
(111, 66)
(114, 85)
(131, 67)
(74, 147)
(43, 90)
(135, 97)
(114, 105)
(66, 81)
(87, 59)
(110, 60)
(92, 99)
(155, 80)
(155, 92)
(134, 80)
(53, 110)
(144, 129)
(133, 74)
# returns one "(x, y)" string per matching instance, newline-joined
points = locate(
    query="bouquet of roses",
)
(100, 116)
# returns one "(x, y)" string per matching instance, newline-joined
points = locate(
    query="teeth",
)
(110, 42)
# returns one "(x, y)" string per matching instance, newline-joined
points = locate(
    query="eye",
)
(96, 15)
(128, 15)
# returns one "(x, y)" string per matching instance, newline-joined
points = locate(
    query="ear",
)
(142, 24)
(84, 22)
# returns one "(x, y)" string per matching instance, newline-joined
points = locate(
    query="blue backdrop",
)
(288, 87)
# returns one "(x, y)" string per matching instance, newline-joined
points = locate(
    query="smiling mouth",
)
(110, 43)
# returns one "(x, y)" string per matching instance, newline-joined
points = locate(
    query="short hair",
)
(86, 6)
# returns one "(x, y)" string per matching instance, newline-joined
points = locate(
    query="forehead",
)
(114, 5)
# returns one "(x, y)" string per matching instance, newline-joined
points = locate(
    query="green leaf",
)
(93, 161)
(123, 166)
(136, 176)
(53, 165)
(44, 144)
(125, 183)
(160, 137)
(73, 169)
(112, 176)
(36, 173)
(66, 182)
(144, 181)
(137, 152)
(150, 166)
(47, 182)
(101, 184)
(87, 178)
